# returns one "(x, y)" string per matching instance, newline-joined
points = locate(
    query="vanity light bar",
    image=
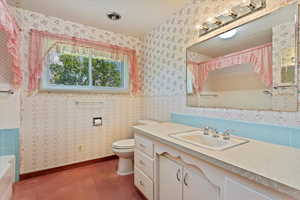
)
(241, 10)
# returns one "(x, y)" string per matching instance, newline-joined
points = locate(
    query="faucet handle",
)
(226, 134)
(206, 130)
(228, 131)
(215, 133)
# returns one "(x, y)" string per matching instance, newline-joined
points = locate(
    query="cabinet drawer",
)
(143, 163)
(143, 183)
(145, 145)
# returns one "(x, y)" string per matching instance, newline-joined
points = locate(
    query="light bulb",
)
(228, 34)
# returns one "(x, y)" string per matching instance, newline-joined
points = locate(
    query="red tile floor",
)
(93, 182)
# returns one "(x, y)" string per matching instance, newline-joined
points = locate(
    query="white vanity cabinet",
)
(196, 186)
(163, 172)
(235, 190)
(178, 182)
(144, 166)
(170, 179)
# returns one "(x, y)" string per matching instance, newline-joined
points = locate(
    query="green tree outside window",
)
(74, 70)
(105, 73)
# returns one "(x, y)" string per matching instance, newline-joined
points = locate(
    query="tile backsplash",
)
(9, 145)
(287, 136)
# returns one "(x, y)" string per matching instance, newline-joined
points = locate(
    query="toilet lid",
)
(124, 144)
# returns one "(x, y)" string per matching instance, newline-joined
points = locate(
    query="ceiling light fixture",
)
(113, 16)
(230, 15)
(228, 34)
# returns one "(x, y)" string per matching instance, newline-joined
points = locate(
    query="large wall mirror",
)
(253, 66)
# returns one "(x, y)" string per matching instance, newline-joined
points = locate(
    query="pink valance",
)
(9, 26)
(260, 57)
(39, 50)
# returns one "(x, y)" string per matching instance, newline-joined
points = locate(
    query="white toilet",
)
(124, 149)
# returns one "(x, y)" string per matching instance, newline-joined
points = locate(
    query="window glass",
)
(106, 73)
(67, 69)
(70, 68)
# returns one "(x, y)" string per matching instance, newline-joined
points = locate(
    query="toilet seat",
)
(124, 144)
(123, 150)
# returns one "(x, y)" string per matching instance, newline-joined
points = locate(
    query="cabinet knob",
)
(141, 162)
(178, 175)
(141, 183)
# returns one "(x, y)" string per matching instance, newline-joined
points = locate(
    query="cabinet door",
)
(236, 191)
(170, 179)
(197, 187)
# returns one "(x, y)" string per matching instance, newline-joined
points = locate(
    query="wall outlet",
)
(80, 148)
(97, 121)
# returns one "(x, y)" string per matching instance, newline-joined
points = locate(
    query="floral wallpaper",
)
(5, 60)
(54, 130)
(164, 68)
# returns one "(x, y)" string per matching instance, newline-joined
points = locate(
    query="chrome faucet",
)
(206, 130)
(211, 131)
(215, 133)
(226, 134)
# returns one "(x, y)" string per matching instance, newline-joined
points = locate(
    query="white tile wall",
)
(160, 108)
(54, 128)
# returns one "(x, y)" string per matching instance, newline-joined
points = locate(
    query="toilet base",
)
(125, 166)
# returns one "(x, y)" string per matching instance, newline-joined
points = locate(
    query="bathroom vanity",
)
(169, 168)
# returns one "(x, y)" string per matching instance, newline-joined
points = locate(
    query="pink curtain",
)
(9, 26)
(39, 49)
(260, 57)
(194, 68)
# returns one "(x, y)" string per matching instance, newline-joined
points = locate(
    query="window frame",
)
(45, 84)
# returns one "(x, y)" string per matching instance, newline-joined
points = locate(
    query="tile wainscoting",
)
(55, 131)
(161, 107)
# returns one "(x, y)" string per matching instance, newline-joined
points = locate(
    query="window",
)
(84, 70)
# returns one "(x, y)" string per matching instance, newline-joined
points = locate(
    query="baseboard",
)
(71, 166)
(143, 196)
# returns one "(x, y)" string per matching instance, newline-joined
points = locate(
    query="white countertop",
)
(271, 165)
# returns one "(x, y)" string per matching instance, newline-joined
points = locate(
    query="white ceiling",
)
(249, 35)
(138, 16)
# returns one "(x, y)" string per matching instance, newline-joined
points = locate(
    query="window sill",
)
(85, 90)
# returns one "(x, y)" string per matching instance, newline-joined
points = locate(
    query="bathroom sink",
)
(208, 141)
